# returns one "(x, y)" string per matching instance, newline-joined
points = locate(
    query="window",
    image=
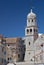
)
(32, 20)
(5, 53)
(30, 30)
(4, 60)
(18, 55)
(27, 31)
(29, 43)
(2, 49)
(23, 41)
(41, 45)
(8, 45)
(31, 60)
(23, 56)
(8, 58)
(34, 30)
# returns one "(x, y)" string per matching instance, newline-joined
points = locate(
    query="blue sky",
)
(13, 15)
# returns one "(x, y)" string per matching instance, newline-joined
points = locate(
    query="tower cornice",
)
(31, 26)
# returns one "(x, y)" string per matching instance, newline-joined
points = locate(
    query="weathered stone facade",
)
(28, 50)
(11, 50)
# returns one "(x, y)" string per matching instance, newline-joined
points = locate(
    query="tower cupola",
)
(31, 15)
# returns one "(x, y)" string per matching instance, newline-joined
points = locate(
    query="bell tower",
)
(31, 28)
(31, 34)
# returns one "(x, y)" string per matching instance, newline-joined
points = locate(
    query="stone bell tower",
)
(31, 34)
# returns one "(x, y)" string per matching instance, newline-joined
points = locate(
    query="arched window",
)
(29, 43)
(30, 30)
(8, 58)
(27, 31)
(18, 55)
(34, 30)
(32, 20)
(41, 45)
(31, 60)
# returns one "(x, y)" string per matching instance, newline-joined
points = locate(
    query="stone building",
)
(11, 50)
(28, 50)
(2, 50)
(14, 49)
(34, 43)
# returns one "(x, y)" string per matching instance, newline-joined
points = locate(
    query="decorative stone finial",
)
(31, 10)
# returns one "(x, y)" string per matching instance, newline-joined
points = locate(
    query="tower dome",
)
(31, 15)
